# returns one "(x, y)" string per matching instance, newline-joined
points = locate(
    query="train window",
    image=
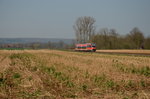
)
(83, 47)
(93, 45)
(88, 45)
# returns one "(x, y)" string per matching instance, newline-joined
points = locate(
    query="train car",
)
(87, 47)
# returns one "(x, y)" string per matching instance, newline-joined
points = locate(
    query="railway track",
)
(121, 52)
(124, 53)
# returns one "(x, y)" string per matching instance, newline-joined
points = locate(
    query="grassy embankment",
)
(60, 74)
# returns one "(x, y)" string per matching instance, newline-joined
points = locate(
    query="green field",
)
(53, 74)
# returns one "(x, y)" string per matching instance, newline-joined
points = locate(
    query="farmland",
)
(51, 74)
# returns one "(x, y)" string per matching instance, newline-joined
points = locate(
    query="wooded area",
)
(109, 38)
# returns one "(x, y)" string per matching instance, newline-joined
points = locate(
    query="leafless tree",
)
(104, 32)
(136, 37)
(84, 29)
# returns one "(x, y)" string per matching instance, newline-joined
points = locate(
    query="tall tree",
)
(137, 38)
(113, 39)
(104, 32)
(147, 43)
(84, 29)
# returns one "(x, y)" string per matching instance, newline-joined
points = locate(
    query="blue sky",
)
(55, 18)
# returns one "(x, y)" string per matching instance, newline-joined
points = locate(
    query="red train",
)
(88, 47)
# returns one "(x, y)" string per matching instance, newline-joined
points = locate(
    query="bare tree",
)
(113, 38)
(84, 29)
(104, 32)
(146, 43)
(137, 38)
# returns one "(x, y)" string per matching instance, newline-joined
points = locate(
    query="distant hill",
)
(31, 40)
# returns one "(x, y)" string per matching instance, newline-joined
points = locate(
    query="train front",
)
(90, 47)
(93, 47)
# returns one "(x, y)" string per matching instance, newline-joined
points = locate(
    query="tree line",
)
(105, 38)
